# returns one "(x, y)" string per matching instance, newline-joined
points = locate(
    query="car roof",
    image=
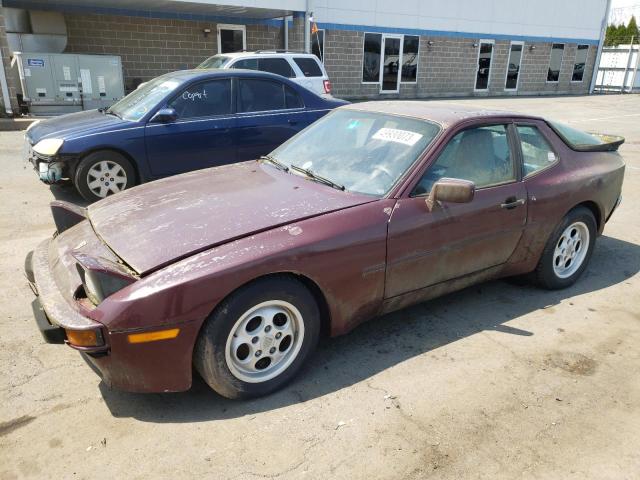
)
(204, 73)
(266, 53)
(446, 114)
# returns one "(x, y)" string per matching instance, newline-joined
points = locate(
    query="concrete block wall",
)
(448, 68)
(153, 46)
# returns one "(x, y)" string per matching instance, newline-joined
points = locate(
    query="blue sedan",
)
(176, 123)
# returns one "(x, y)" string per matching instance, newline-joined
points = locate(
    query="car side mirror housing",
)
(450, 190)
(165, 115)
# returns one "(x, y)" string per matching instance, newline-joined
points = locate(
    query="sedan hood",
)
(74, 125)
(158, 223)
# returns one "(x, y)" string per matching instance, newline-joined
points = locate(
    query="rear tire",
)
(103, 173)
(258, 338)
(568, 250)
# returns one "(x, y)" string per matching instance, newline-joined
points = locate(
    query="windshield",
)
(365, 152)
(135, 105)
(217, 61)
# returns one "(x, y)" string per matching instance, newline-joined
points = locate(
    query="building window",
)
(513, 66)
(371, 58)
(410, 47)
(317, 44)
(581, 61)
(555, 62)
(232, 38)
(485, 53)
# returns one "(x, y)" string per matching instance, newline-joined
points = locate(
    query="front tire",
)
(568, 250)
(258, 338)
(103, 173)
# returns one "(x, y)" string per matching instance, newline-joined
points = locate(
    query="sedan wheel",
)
(103, 173)
(571, 250)
(258, 338)
(568, 250)
(105, 178)
(264, 341)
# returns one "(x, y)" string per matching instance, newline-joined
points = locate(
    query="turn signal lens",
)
(153, 336)
(83, 338)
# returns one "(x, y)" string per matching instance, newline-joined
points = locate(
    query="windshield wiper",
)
(277, 163)
(317, 177)
(111, 112)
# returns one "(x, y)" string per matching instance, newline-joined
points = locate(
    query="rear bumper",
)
(617, 204)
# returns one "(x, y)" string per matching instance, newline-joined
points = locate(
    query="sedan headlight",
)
(101, 278)
(99, 285)
(48, 147)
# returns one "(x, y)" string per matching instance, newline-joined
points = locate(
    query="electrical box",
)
(58, 83)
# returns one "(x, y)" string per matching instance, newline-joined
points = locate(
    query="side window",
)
(247, 63)
(279, 66)
(260, 95)
(309, 66)
(481, 155)
(204, 99)
(536, 151)
(292, 98)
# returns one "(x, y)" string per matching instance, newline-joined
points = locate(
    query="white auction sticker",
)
(399, 136)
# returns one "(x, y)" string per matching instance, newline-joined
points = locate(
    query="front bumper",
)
(50, 170)
(162, 366)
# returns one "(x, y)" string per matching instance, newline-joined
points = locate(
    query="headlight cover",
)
(102, 278)
(48, 147)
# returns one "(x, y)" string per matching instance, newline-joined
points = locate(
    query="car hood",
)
(158, 223)
(75, 125)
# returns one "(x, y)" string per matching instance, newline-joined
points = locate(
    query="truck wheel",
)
(257, 339)
(568, 250)
(103, 173)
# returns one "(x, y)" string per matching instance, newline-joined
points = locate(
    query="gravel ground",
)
(497, 381)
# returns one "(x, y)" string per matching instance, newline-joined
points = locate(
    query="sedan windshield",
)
(217, 61)
(363, 152)
(135, 105)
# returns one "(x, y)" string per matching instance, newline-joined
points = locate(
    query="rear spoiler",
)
(610, 143)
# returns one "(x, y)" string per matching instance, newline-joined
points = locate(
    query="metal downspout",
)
(603, 33)
(5, 87)
(307, 30)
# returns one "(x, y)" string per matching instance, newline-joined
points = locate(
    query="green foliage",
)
(621, 34)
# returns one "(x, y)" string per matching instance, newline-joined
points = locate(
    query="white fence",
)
(619, 69)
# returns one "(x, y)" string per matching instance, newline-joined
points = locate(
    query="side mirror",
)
(165, 115)
(450, 190)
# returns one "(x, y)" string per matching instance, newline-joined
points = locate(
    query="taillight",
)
(327, 86)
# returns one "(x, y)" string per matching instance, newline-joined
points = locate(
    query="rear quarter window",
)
(279, 66)
(309, 66)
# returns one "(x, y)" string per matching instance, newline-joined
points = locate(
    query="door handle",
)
(511, 202)
(292, 121)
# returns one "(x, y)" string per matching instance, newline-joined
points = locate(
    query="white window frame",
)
(506, 73)
(585, 62)
(475, 77)
(364, 39)
(228, 26)
(324, 41)
(412, 82)
(394, 36)
(564, 47)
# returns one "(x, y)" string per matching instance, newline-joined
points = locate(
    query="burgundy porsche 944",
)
(237, 270)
